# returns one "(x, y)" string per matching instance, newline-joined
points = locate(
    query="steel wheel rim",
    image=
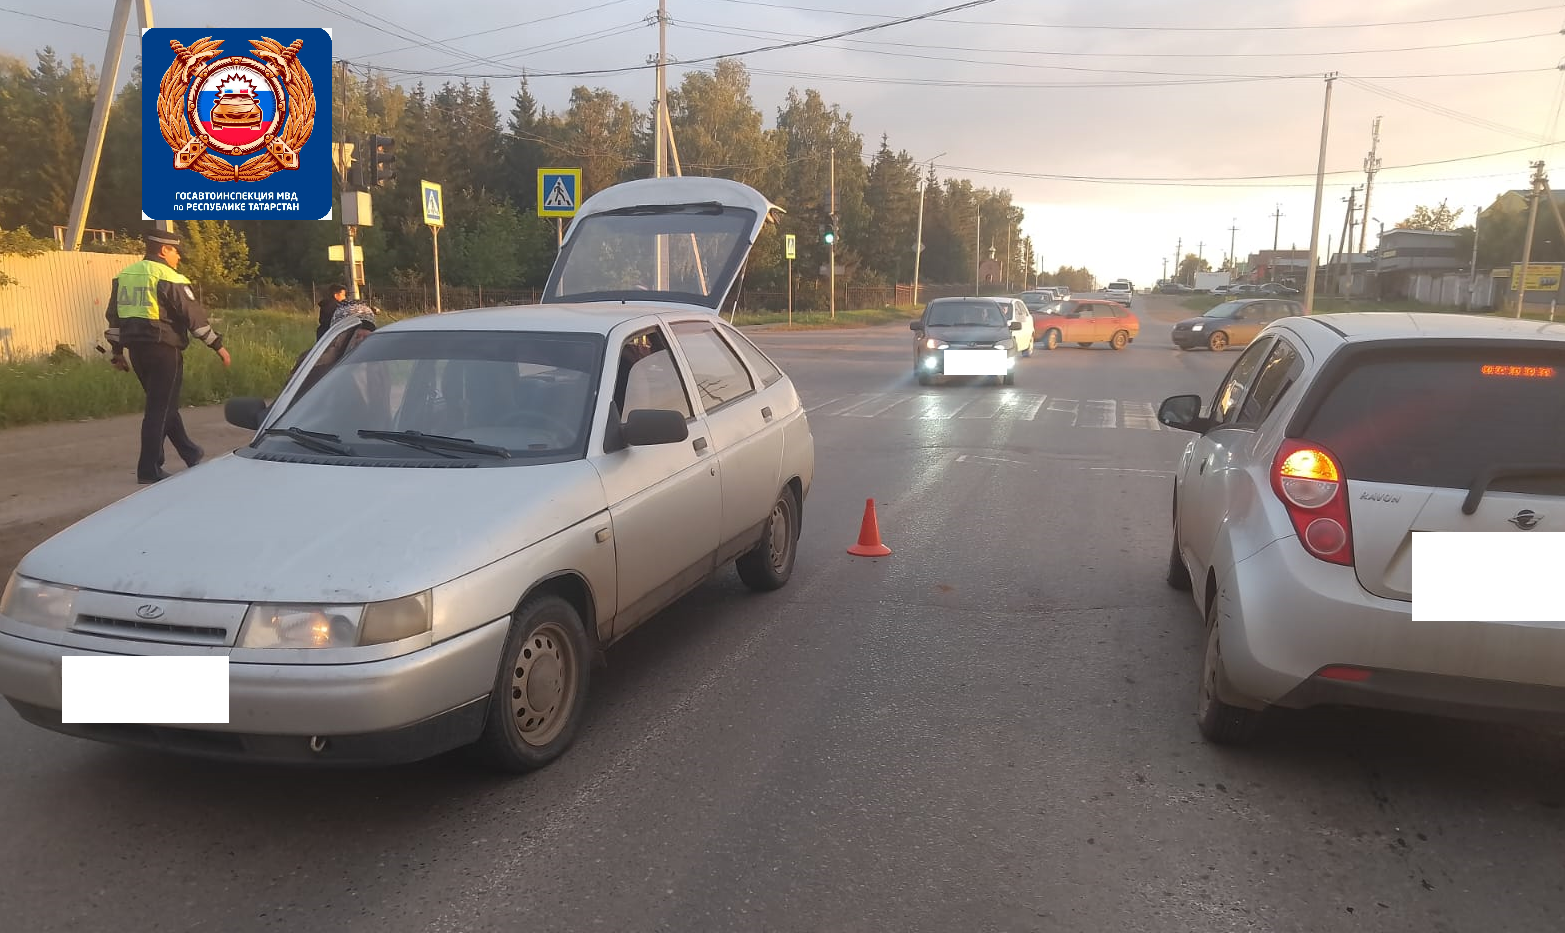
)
(781, 537)
(1119, 341)
(543, 685)
(1219, 340)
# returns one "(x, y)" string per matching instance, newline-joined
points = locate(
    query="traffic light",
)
(829, 232)
(381, 157)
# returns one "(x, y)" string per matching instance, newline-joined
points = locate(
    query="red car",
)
(1085, 323)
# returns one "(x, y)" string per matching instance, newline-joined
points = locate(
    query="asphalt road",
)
(990, 730)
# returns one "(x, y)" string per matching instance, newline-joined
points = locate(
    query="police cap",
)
(158, 238)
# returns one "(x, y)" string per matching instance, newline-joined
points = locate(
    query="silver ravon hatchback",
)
(1331, 442)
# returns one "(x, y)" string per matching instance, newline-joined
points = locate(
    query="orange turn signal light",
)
(1310, 464)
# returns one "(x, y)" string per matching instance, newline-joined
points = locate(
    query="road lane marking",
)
(1097, 413)
(1140, 415)
(822, 405)
(872, 412)
(1034, 406)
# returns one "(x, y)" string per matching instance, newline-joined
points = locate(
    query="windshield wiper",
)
(1482, 481)
(436, 442)
(314, 440)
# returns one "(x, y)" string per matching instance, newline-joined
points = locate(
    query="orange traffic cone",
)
(869, 535)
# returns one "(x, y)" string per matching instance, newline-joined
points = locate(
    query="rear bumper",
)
(1287, 617)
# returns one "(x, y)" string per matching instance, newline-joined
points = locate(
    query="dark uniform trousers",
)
(161, 370)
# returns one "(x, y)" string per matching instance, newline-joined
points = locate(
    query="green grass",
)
(822, 320)
(263, 344)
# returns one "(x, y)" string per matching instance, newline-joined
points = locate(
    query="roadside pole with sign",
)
(790, 249)
(435, 217)
(559, 194)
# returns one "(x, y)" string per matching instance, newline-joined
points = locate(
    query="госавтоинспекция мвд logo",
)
(228, 135)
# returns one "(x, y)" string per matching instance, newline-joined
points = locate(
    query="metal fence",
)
(58, 299)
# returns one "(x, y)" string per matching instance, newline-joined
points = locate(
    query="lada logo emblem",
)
(149, 612)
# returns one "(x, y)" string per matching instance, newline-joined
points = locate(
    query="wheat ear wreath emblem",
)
(197, 137)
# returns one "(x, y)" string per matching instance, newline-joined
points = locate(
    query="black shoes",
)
(144, 481)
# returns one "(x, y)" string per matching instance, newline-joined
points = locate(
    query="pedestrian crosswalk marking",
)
(1023, 406)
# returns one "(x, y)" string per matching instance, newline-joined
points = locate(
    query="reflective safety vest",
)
(136, 289)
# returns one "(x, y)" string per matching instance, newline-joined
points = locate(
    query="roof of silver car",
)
(591, 318)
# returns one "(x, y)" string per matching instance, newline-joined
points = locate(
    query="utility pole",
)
(1276, 226)
(86, 179)
(1233, 260)
(1347, 237)
(832, 250)
(1320, 187)
(978, 224)
(1179, 247)
(660, 160)
(1371, 166)
(1472, 272)
(1539, 184)
(918, 248)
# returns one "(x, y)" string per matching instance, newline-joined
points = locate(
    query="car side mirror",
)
(1183, 413)
(245, 412)
(915, 326)
(1016, 325)
(650, 427)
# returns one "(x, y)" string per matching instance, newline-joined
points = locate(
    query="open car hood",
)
(681, 240)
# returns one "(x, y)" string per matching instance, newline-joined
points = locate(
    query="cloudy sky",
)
(1121, 126)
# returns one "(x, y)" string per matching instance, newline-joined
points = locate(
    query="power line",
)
(1170, 28)
(499, 29)
(50, 19)
(709, 58)
(1440, 110)
(764, 33)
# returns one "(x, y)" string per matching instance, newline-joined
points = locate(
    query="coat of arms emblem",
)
(214, 112)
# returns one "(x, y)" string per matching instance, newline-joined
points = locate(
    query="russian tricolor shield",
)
(237, 106)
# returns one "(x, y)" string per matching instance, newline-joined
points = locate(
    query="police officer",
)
(152, 314)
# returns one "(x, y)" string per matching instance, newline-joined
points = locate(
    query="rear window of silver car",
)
(1440, 417)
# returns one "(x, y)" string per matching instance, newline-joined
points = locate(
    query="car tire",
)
(1218, 342)
(769, 565)
(1219, 722)
(1178, 573)
(1120, 341)
(540, 694)
(924, 379)
(1051, 340)
(1009, 379)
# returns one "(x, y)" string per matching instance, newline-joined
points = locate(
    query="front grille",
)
(150, 631)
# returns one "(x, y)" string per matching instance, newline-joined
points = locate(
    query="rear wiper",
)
(705, 207)
(314, 440)
(436, 442)
(1481, 483)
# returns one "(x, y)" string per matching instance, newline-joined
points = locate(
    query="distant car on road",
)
(428, 547)
(964, 337)
(1329, 445)
(1232, 323)
(1037, 298)
(1086, 322)
(1120, 291)
(1278, 288)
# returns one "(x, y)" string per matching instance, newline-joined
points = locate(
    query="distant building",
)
(1405, 253)
(1288, 266)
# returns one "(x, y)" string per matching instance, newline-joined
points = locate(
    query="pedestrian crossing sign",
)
(434, 206)
(559, 192)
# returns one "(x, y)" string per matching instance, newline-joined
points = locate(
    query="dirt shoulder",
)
(57, 474)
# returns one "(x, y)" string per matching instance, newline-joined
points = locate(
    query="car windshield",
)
(530, 394)
(614, 256)
(965, 313)
(1440, 417)
(1225, 310)
(1119, 286)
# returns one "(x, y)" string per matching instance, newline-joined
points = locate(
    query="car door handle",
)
(699, 444)
(767, 413)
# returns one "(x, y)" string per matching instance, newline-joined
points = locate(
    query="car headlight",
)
(270, 625)
(1197, 326)
(934, 344)
(33, 602)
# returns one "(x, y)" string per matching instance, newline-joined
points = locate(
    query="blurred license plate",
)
(975, 363)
